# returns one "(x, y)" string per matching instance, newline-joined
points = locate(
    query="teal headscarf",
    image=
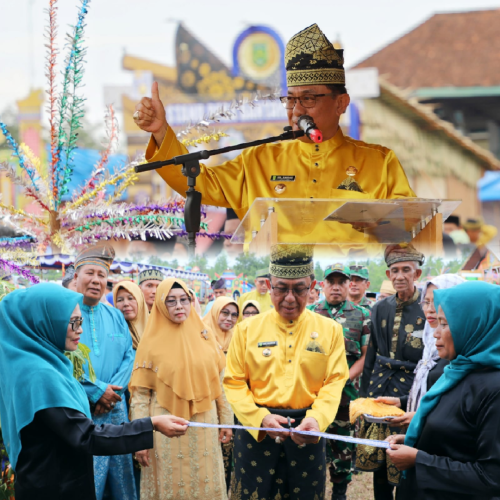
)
(472, 311)
(34, 373)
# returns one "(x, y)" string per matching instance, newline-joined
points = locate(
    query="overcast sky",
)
(146, 28)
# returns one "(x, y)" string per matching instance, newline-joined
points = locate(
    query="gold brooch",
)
(280, 188)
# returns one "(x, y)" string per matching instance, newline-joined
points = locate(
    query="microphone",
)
(306, 123)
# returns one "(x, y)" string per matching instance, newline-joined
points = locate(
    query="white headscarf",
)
(430, 355)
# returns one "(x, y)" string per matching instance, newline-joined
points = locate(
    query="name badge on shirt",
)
(282, 178)
(418, 334)
(268, 344)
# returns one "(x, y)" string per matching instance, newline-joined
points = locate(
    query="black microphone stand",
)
(191, 169)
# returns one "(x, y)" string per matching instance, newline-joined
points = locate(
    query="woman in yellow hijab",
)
(221, 319)
(249, 309)
(129, 299)
(178, 369)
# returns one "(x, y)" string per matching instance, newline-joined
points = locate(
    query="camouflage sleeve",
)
(365, 331)
(365, 334)
(371, 355)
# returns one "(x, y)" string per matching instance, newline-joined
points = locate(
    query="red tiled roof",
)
(453, 49)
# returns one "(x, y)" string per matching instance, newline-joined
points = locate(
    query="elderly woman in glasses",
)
(221, 319)
(178, 369)
(431, 366)
(249, 309)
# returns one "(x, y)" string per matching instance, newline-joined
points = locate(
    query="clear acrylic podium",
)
(345, 226)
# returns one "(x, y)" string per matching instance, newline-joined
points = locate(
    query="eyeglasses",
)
(426, 304)
(227, 314)
(306, 101)
(184, 301)
(76, 323)
(299, 291)
(250, 313)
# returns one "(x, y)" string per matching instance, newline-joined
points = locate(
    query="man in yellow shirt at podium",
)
(338, 167)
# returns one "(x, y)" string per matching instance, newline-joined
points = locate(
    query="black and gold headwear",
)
(311, 59)
(150, 274)
(291, 261)
(402, 252)
(97, 255)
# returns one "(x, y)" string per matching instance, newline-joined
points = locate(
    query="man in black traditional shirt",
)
(396, 346)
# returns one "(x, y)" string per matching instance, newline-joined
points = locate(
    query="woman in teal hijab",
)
(452, 447)
(44, 411)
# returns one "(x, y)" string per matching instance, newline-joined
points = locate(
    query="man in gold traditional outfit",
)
(286, 362)
(339, 167)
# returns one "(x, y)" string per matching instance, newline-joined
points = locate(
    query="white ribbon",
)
(336, 437)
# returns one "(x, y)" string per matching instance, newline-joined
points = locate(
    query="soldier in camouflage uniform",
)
(355, 322)
(360, 282)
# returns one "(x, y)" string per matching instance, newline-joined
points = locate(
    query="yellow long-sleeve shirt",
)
(263, 300)
(305, 171)
(291, 376)
(319, 170)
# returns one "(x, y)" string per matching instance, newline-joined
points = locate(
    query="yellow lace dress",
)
(189, 467)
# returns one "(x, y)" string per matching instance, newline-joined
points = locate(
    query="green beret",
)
(262, 273)
(360, 272)
(338, 269)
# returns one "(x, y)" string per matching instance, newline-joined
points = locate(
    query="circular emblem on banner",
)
(259, 56)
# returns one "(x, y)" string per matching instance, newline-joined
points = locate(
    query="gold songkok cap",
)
(291, 261)
(97, 255)
(472, 224)
(403, 252)
(311, 59)
(150, 274)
